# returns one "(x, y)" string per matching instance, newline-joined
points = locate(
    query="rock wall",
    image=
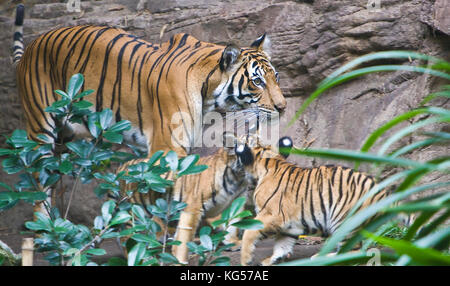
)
(310, 39)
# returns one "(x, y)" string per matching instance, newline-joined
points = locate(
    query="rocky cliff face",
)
(310, 39)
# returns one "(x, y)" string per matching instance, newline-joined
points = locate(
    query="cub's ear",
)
(262, 44)
(285, 145)
(230, 57)
(244, 153)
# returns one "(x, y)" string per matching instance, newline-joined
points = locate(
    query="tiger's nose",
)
(280, 107)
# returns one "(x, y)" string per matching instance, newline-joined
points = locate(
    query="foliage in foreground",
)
(90, 159)
(426, 241)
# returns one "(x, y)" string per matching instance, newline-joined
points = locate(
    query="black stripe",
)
(109, 47)
(180, 44)
(20, 12)
(18, 36)
(276, 190)
(300, 184)
(322, 204)
(305, 225)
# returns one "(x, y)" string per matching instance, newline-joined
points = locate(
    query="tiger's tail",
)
(18, 47)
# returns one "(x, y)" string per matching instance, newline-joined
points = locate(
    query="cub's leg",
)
(282, 248)
(251, 237)
(187, 225)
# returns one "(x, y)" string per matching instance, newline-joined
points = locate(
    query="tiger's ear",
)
(230, 56)
(285, 145)
(244, 153)
(262, 44)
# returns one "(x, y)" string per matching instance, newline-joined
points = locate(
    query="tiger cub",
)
(291, 200)
(206, 194)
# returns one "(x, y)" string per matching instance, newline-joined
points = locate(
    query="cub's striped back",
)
(291, 200)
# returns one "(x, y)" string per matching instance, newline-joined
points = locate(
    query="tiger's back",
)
(134, 78)
(164, 90)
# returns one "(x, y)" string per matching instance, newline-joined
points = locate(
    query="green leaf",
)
(120, 126)
(356, 220)
(12, 165)
(360, 157)
(105, 117)
(4, 152)
(236, 206)
(75, 84)
(76, 147)
(350, 258)
(98, 223)
(136, 254)
(221, 261)
(168, 258)
(84, 93)
(249, 224)
(65, 167)
(5, 186)
(409, 129)
(327, 84)
(42, 223)
(155, 157)
(96, 251)
(94, 126)
(146, 239)
(206, 242)
(113, 137)
(83, 104)
(194, 170)
(423, 256)
(62, 94)
(172, 159)
(107, 209)
(117, 261)
(121, 217)
(139, 212)
(187, 162)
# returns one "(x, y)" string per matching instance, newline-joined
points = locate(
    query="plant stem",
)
(72, 192)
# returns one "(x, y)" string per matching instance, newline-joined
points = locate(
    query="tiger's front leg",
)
(249, 240)
(187, 225)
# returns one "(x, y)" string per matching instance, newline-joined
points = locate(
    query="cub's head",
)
(257, 158)
(249, 80)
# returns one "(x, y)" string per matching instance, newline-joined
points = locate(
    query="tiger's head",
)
(249, 81)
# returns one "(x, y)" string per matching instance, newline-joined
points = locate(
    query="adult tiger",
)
(206, 194)
(293, 201)
(142, 82)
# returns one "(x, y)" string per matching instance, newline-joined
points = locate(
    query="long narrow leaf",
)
(425, 256)
(356, 73)
(370, 141)
(359, 218)
(360, 157)
(411, 128)
(379, 56)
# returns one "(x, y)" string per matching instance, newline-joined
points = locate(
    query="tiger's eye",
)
(257, 81)
(277, 77)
